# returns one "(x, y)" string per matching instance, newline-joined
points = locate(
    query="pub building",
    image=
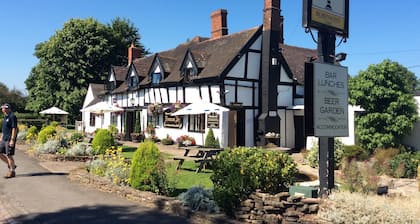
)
(252, 73)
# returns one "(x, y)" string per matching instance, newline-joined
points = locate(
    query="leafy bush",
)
(22, 135)
(382, 160)
(96, 166)
(79, 149)
(359, 176)
(49, 147)
(240, 171)
(199, 199)
(313, 154)
(167, 141)
(103, 140)
(31, 134)
(355, 152)
(211, 141)
(46, 133)
(405, 164)
(144, 172)
(76, 137)
(113, 129)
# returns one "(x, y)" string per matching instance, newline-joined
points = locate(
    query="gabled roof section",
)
(120, 72)
(295, 58)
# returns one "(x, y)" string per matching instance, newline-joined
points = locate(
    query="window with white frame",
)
(196, 123)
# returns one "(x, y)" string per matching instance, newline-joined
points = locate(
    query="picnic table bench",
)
(203, 156)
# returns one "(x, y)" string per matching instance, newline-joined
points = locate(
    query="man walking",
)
(8, 140)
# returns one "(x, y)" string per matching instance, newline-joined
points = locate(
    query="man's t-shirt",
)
(9, 122)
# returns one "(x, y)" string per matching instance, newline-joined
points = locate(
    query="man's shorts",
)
(6, 149)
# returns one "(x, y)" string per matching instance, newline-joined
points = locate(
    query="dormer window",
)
(133, 79)
(156, 74)
(111, 84)
(189, 68)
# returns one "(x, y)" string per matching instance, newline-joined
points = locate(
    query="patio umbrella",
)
(200, 107)
(102, 107)
(53, 111)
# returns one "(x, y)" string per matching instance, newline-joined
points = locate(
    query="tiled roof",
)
(120, 72)
(295, 58)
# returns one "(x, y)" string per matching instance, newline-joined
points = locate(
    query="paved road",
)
(37, 195)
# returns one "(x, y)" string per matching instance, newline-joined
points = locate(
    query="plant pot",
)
(137, 137)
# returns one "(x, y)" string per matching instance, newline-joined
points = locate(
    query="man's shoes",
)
(9, 166)
(10, 174)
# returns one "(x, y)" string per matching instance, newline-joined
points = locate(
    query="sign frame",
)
(330, 100)
(327, 18)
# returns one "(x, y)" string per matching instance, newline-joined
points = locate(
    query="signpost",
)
(326, 91)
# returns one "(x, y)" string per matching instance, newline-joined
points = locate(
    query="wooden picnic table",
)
(202, 155)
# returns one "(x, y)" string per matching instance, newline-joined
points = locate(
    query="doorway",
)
(300, 140)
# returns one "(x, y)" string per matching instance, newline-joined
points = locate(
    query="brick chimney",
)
(272, 18)
(219, 23)
(133, 53)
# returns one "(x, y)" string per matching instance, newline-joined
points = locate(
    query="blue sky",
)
(378, 29)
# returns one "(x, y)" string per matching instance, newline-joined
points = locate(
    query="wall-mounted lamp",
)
(340, 57)
(132, 101)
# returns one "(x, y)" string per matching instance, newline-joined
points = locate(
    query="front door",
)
(299, 133)
(129, 123)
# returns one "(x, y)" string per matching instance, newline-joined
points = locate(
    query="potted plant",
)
(137, 135)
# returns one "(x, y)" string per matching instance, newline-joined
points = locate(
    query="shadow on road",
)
(101, 214)
(42, 174)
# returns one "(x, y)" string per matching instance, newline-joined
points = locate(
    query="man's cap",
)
(5, 105)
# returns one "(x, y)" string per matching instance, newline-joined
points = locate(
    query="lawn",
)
(184, 178)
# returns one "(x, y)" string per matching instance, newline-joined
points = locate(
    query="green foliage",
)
(404, 165)
(46, 133)
(76, 137)
(79, 149)
(113, 129)
(144, 172)
(240, 171)
(103, 140)
(12, 96)
(385, 91)
(76, 55)
(382, 160)
(49, 147)
(167, 140)
(359, 176)
(199, 199)
(313, 154)
(211, 141)
(355, 152)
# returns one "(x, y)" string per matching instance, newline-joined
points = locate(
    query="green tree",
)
(14, 97)
(385, 91)
(78, 54)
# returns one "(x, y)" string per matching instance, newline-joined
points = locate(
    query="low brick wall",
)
(263, 208)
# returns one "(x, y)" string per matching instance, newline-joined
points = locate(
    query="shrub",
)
(79, 149)
(32, 134)
(211, 141)
(199, 199)
(97, 166)
(167, 141)
(355, 152)
(103, 140)
(359, 176)
(46, 133)
(76, 137)
(113, 129)
(49, 147)
(405, 165)
(240, 171)
(382, 160)
(313, 154)
(144, 172)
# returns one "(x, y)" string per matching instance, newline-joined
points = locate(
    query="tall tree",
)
(78, 54)
(385, 91)
(14, 97)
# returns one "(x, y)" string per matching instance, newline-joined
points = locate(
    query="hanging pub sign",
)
(213, 120)
(172, 121)
(332, 15)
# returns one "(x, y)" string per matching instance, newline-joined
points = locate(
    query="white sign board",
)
(330, 100)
